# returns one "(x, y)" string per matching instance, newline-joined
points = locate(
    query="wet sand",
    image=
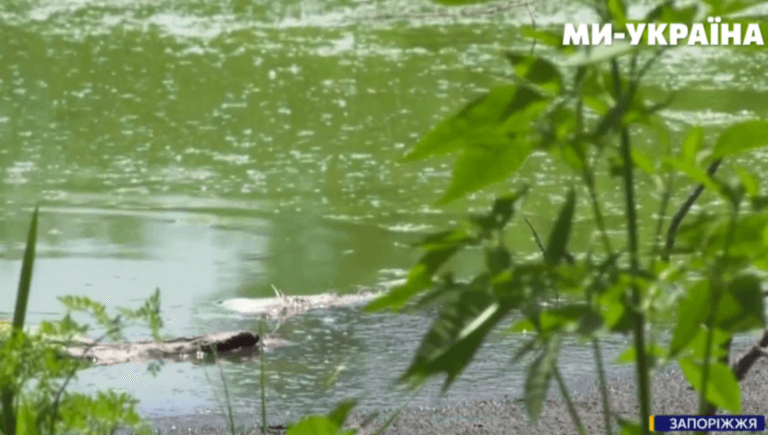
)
(671, 395)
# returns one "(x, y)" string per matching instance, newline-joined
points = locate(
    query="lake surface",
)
(214, 149)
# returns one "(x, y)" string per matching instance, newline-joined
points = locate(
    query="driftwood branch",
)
(235, 343)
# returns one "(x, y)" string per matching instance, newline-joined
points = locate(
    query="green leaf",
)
(313, 425)
(745, 136)
(339, 414)
(691, 314)
(618, 12)
(558, 239)
(630, 355)
(666, 13)
(692, 144)
(552, 38)
(749, 181)
(722, 387)
(454, 337)
(643, 162)
(25, 281)
(26, 423)
(480, 167)
(419, 279)
(537, 70)
(483, 122)
(539, 377)
(20, 312)
(460, 2)
(695, 173)
(565, 319)
(600, 54)
(727, 7)
(446, 239)
(504, 207)
(741, 307)
(498, 259)
(629, 427)
(698, 345)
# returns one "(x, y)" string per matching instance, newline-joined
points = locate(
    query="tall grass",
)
(7, 395)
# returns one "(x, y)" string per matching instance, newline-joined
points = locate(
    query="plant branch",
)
(678, 217)
(643, 367)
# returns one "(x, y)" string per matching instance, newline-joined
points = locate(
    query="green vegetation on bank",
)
(585, 107)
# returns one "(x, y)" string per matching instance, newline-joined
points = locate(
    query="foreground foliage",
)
(583, 107)
(34, 373)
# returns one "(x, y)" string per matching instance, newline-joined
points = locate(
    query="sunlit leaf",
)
(722, 387)
(629, 427)
(479, 167)
(691, 314)
(482, 123)
(600, 53)
(454, 337)
(698, 344)
(550, 37)
(726, 7)
(537, 70)
(692, 144)
(618, 11)
(744, 136)
(419, 279)
(313, 425)
(667, 13)
(643, 162)
(695, 173)
(445, 239)
(630, 355)
(749, 181)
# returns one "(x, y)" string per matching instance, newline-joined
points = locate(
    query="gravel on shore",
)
(671, 395)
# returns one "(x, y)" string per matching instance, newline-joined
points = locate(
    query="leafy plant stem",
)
(19, 313)
(569, 403)
(599, 219)
(631, 212)
(717, 286)
(663, 206)
(589, 180)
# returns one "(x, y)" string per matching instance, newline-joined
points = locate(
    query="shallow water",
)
(213, 150)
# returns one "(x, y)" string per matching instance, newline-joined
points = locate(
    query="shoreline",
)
(671, 395)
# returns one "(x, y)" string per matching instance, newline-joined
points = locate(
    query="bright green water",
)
(213, 149)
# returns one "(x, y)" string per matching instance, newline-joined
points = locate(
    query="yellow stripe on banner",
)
(650, 424)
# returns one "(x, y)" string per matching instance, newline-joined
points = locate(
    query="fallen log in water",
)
(226, 344)
(283, 307)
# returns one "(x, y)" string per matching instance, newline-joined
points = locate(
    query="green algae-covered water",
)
(216, 148)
